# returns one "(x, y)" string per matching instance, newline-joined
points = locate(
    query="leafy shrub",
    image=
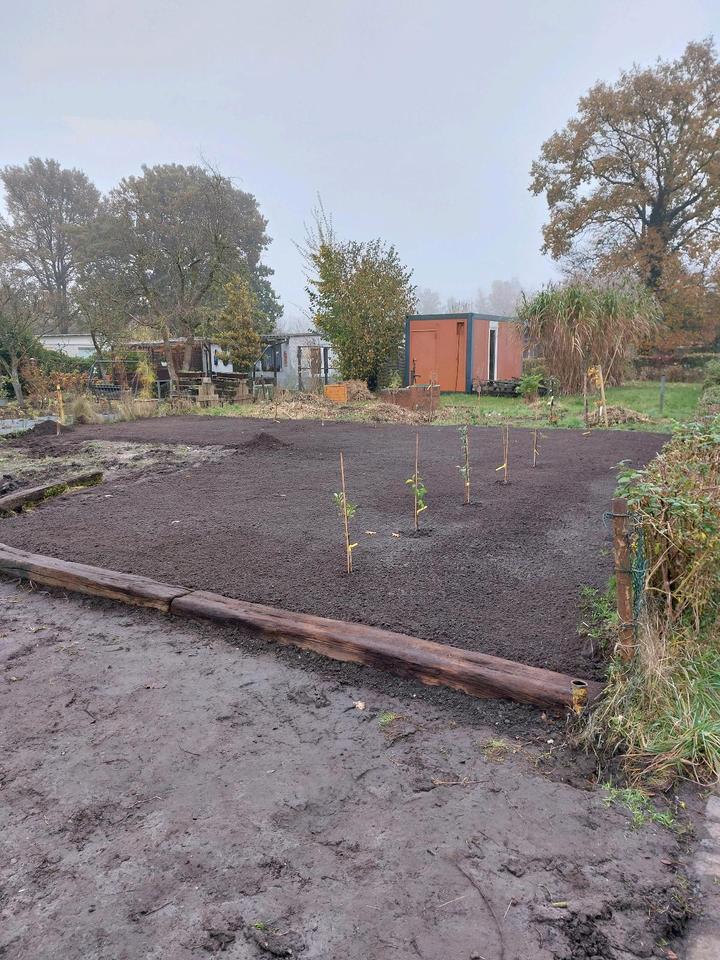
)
(709, 402)
(712, 374)
(662, 708)
(529, 386)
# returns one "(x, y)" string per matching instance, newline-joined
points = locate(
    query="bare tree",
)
(502, 299)
(45, 203)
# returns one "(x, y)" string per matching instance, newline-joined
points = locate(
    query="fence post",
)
(663, 380)
(623, 578)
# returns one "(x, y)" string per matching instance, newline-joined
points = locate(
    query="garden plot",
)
(501, 575)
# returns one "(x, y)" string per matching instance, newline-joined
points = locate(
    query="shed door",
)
(424, 359)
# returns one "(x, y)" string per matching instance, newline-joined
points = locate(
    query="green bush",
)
(709, 402)
(712, 374)
(662, 707)
(529, 386)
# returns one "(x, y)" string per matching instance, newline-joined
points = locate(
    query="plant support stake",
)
(623, 578)
(505, 434)
(464, 467)
(347, 510)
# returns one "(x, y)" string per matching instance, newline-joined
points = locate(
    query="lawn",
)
(642, 397)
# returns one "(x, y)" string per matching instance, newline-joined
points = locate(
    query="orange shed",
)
(455, 349)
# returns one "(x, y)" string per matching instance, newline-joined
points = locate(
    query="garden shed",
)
(458, 350)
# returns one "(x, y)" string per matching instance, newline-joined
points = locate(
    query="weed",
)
(261, 925)
(495, 750)
(386, 718)
(639, 804)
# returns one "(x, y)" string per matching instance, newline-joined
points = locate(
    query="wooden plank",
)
(94, 581)
(432, 663)
(15, 501)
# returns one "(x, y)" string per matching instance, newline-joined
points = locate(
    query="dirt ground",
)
(502, 575)
(176, 791)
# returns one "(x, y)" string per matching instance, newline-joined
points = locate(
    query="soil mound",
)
(264, 441)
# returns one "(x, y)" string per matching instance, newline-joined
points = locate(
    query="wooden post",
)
(585, 399)
(348, 551)
(623, 578)
(61, 408)
(663, 380)
(535, 447)
(602, 396)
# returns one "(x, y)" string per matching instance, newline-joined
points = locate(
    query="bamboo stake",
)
(348, 551)
(466, 444)
(61, 408)
(505, 434)
(535, 447)
(415, 486)
(602, 396)
(585, 399)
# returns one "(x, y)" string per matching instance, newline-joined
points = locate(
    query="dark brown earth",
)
(168, 795)
(502, 576)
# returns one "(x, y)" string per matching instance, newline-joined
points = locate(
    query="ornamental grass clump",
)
(662, 708)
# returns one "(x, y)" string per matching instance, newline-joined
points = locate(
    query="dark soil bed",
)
(502, 577)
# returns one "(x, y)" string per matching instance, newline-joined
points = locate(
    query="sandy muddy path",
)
(165, 793)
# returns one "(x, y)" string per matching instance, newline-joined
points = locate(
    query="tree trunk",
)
(187, 353)
(172, 373)
(15, 380)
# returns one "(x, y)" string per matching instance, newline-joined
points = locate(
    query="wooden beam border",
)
(432, 663)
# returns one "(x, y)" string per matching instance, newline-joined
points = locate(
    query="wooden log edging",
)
(432, 663)
(15, 501)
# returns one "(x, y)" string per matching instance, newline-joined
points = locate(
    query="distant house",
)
(296, 361)
(72, 344)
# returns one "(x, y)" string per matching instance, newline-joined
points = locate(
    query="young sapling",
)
(505, 434)
(416, 484)
(346, 509)
(464, 467)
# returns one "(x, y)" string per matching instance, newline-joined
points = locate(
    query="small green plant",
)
(261, 925)
(529, 386)
(495, 750)
(395, 381)
(417, 485)
(639, 804)
(464, 467)
(346, 509)
(386, 718)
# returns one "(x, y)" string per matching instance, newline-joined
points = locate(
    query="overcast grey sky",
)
(416, 120)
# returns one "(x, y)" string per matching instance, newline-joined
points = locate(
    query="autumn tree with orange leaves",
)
(633, 186)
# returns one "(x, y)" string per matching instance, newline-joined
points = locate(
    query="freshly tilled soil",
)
(502, 575)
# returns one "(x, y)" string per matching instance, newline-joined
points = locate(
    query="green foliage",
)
(712, 374)
(386, 718)
(639, 804)
(360, 294)
(529, 386)
(419, 490)
(344, 506)
(662, 708)
(236, 327)
(709, 402)
(395, 382)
